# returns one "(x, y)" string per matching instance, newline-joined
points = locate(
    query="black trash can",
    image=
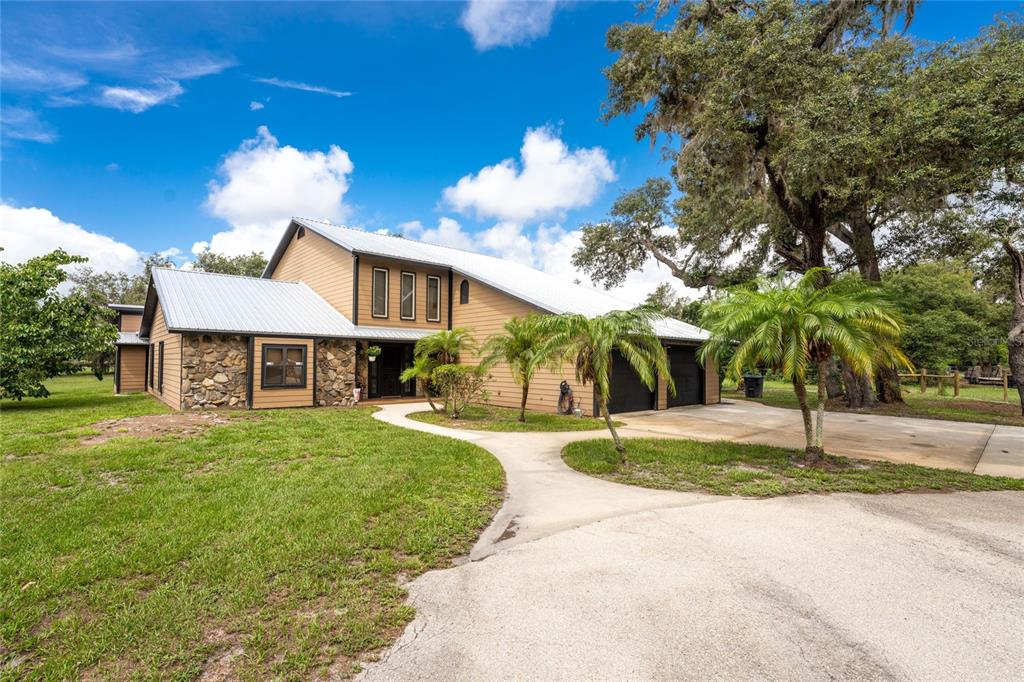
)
(753, 385)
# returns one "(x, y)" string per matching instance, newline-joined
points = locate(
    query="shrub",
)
(459, 386)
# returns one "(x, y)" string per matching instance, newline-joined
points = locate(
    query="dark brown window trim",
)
(373, 291)
(160, 375)
(284, 354)
(427, 301)
(464, 292)
(401, 294)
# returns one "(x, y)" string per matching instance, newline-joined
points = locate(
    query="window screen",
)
(380, 293)
(433, 298)
(408, 296)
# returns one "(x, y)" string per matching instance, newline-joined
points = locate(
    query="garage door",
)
(628, 392)
(688, 376)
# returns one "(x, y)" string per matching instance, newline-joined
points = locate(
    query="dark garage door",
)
(628, 393)
(688, 376)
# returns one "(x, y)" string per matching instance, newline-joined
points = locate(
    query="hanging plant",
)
(372, 352)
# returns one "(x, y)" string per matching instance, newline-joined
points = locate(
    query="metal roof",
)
(130, 339)
(232, 304)
(126, 308)
(525, 283)
(391, 333)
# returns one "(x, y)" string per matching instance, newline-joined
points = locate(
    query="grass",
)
(975, 404)
(272, 546)
(724, 468)
(490, 418)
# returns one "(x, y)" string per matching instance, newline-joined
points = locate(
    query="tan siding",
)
(172, 360)
(712, 390)
(133, 369)
(130, 323)
(486, 312)
(323, 265)
(395, 269)
(280, 397)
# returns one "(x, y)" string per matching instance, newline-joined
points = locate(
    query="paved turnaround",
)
(583, 579)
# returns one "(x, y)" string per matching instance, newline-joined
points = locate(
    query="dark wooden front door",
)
(390, 362)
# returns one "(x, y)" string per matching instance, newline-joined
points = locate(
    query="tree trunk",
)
(805, 412)
(888, 387)
(833, 379)
(426, 394)
(819, 427)
(859, 391)
(1015, 338)
(619, 447)
(522, 404)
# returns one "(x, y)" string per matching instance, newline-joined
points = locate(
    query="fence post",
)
(1006, 386)
(924, 381)
(956, 383)
(942, 385)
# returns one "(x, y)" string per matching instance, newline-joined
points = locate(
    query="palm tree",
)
(420, 370)
(590, 343)
(430, 352)
(791, 327)
(524, 347)
(445, 346)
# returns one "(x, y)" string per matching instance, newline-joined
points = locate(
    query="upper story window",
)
(433, 298)
(408, 300)
(379, 295)
(464, 292)
(284, 367)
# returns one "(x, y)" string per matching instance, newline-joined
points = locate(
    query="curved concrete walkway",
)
(585, 579)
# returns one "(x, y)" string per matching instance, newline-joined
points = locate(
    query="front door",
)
(390, 365)
(385, 371)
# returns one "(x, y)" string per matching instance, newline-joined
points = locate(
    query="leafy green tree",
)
(524, 347)
(421, 370)
(790, 328)
(460, 386)
(250, 265)
(947, 319)
(590, 343)
(446, 346)
(665, 301)
(43, 334)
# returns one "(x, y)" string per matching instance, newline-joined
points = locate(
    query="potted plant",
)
(372, 352)
(357, 391)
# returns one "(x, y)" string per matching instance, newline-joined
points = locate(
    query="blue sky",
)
(153, 127)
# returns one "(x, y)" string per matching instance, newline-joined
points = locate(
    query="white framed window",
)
(407, 309)
(433, 298)
(379, 293)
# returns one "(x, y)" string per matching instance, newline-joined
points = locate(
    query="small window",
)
(284, 366)
(408, 309)
(464, 292)
(379, 303)
(151, 361)
(433, 298)
(160, 376)
(300, 233)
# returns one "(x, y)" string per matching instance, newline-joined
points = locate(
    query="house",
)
(298, 335)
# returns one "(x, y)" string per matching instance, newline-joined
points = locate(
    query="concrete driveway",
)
(979, 448)
(582, 579)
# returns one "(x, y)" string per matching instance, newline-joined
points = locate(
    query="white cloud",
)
(29, 232)
(305, 87)
(24, 124)
(255, 106)
(137, 100)
(112, 167)
(503, 23)
(46, 78)
(447, 233)
(552, 179)
(264, 184)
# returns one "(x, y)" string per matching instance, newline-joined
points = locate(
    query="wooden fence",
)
(956, 379)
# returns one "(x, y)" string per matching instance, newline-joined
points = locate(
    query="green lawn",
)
(273, 546)
(982, 404)
(724, 468)
(489, 418)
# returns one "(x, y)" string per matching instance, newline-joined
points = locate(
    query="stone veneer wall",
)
(213, 371)
(335, 372)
